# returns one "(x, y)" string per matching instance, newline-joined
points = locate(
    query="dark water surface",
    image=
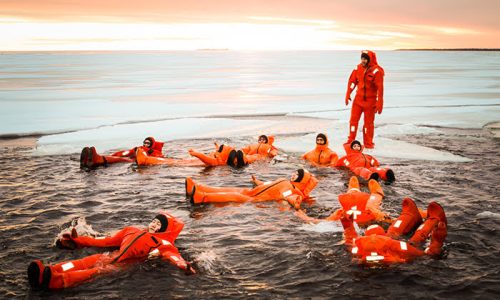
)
(250, 250)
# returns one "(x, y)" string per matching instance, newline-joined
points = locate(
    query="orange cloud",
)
(239, 24)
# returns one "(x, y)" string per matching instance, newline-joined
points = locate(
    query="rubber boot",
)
(189, 184)
(35, 274)
(437, 239)
(374, 176)
(375, 187)
(84, 157)
(409, 219)
(353, 184)
(94, 160)
(435, 214)
(196, 196)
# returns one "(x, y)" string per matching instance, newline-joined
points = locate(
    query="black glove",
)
(67, 240)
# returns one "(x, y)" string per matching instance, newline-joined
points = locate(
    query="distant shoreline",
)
(450, 49)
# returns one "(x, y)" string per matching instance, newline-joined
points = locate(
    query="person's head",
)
(159, 224)
(263, 139)
(365, 58)
(321, 139)
(297, 176)
(356, 145)
(148, 142)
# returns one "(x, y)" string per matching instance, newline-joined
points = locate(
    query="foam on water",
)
(488, 215)
(82, 229)
(322, 227)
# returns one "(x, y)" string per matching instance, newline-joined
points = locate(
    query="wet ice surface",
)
(252, 250)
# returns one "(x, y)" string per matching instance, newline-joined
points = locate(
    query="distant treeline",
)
(451, 49)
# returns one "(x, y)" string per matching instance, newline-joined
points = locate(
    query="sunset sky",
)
(247, 25)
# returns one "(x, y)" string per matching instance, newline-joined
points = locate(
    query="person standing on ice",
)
(368, 77)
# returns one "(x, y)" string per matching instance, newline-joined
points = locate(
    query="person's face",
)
(356, 147)
(294, 176)
(262, 140)
(154, 226)
(147, 143)
(364, 61)
(320, 141)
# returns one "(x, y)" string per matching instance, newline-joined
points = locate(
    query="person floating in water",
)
(264, 148)
(219, 157)
(364, 208)
(321, 156)
(379, 247)
(292, 190)
(368, 77)
(90, 159)
(364, 165)
(134, 245)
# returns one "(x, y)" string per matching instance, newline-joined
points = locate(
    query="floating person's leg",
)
(437, 240)
(207, 160)
(435, 214)
(409, 219)
(202, 197)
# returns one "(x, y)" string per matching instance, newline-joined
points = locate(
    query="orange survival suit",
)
(217, 158)
(134, 245)
(90, 159)
(321, 155)
(377, 247)
(364, 165)
(280, 189)
(154, 150)
(369, 97)
(264, 149)
(363, 208)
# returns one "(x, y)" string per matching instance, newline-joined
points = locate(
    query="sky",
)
(45, 25)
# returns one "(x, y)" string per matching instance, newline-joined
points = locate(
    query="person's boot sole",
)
(84, 157)
(390, 176)
(47, 275)
(191, 197)
(34, 275)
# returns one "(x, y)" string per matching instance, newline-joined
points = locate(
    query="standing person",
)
(368, 77)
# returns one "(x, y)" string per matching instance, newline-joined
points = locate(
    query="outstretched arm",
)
(170, 254)
(304, 217)
(256, 181)
(379, 82)
(349, 231)
(72, 241)
(351, 85)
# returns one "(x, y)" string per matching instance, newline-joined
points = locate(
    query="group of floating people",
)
(402, 241)
(358, 209)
